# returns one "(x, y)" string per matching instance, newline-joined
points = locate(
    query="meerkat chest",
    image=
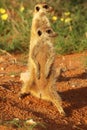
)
(39, 21)
(43, 55)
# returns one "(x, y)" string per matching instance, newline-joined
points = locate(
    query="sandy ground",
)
(71, 85)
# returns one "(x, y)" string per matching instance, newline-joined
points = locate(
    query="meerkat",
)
(30, 80)
(39, 20)
(48, 31)
(43, 54)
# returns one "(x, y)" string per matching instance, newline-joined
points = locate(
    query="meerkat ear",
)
(39, 33)
(37, 8)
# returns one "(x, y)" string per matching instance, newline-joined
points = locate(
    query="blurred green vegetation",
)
(69, 19)
(17, 123)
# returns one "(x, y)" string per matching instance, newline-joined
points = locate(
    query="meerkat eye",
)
(46, 6)
(37, 8)
(39, 33)
(49, 31)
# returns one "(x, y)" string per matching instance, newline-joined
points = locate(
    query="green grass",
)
(15, 31)
(22, 124)
(72, 35)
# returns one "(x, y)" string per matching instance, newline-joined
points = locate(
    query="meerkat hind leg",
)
(56, 100)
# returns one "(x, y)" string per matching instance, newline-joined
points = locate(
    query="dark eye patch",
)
(46, 6)
(39, 33)
(49, 31)
(37, 8)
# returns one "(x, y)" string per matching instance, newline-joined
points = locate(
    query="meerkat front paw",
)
(46, 74)
(38, 71)
(47, 71)
(38, 75)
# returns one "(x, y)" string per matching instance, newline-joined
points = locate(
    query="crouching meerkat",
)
(43, 55)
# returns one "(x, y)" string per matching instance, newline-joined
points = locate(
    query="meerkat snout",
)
(46, 6)
(51, 33)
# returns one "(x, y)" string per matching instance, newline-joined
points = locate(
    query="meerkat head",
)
(46, 33)
(42, 8)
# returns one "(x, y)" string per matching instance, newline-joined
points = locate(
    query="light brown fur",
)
(39, 20)
(36, 73)
(43, 54)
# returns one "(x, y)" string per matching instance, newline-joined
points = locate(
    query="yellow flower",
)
(22, 8)
(2, 10)
(67, 13)
(4, 16)
(54, 18)
(68, 20)
(62, 19)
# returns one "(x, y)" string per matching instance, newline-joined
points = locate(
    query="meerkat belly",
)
(38, 22)
(42, 57)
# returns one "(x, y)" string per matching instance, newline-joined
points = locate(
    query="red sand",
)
(72, 86)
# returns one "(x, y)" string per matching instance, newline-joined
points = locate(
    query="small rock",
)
(12, 76)
(73, 85)
(16, 119)
(2, 68)
(30, 122)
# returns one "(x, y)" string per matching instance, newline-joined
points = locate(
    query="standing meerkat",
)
(43, 54)
(39, 20)
(46, 32)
